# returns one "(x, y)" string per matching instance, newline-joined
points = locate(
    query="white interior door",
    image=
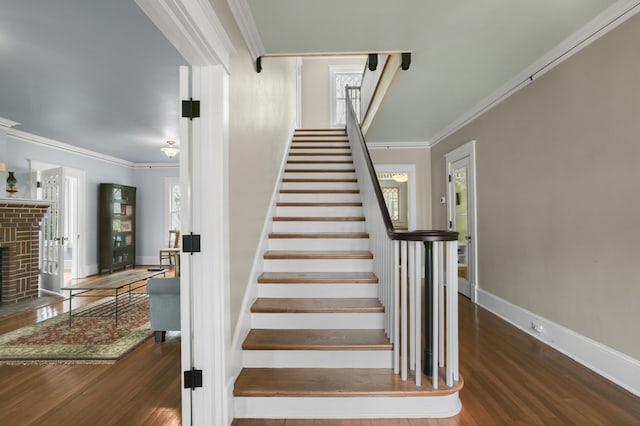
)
(461, 214)
(53, 238)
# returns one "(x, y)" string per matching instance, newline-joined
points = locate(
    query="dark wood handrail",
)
(418, 235)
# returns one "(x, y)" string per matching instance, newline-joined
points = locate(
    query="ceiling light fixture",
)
(400, 177)
(170, 151)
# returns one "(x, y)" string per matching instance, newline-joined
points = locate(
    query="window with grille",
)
(172, 188)
(391, 197)
(341, 76)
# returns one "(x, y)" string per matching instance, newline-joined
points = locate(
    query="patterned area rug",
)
(92, 338)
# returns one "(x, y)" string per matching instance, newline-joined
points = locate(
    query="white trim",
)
(61, 146)
(440, 406)
(243, 324)
(156, 165)
(246, 23)
(299, 65)
(193, 28)
(609, 363)
(467, 150)
(609, 19)
(7, 124)
(399, 145)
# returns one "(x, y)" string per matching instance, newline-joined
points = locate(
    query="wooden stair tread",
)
(318, 219)
(318, 204)
(333, 382)
(317, 305)
(327, 154)
(318, 254)
(319, 235)
(317, 340)
(320, 170)
(319, 191)
(320, 162)
(320, 180)
(317, 278)
(320, 147)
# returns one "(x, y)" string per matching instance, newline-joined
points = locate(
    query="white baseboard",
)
(609, 363)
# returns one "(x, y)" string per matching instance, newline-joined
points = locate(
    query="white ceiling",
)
(463, 50)
(99, 75)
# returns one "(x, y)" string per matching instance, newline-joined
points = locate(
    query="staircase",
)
(317, 347)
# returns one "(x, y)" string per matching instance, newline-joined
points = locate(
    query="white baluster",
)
(440, 284)
(412, 311)
(452, 275)
(403, 314)
(418, 309)
(436, 314)
(396, 307)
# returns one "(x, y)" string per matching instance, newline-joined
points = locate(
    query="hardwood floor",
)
(510, 378)
(141, 388)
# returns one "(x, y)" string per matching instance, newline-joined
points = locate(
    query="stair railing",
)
(398, 264)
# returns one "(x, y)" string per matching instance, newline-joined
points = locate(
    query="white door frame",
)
(410, 170)
(464, 151)
(195, 30)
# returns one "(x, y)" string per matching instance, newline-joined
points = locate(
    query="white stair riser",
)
(326, 157)
(318, 265)
(329, 149)
(336, 186)
(339, 166)
(334, 144)
(319, 175)
(319, 244)
(318, 359)
(286, 226)
(317, 290)
(373, 407)
(319, 198)
(326, 321)
(319, 211)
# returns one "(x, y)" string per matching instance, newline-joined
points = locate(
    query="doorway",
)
(398, 183)
(70, 256)
(461, 214)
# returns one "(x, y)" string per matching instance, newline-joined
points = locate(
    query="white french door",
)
(53, 238)
(461, 214)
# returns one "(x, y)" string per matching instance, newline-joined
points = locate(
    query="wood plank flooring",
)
(510, 378)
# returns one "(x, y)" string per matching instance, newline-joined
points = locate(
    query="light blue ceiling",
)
(463, 50)
(92, 73)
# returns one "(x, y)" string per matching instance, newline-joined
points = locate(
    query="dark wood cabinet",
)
(117, 227)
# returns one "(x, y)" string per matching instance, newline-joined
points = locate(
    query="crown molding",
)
(7, 124)
(609, 19)
(139, 166)
(193, 28)
(244, 18)
(398, 145)
(61, 146)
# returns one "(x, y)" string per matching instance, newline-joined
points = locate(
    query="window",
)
(391, 197)
(172, 190)
(339, 77)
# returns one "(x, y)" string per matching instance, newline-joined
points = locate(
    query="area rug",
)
(92, 338)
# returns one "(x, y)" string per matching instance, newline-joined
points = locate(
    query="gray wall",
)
(558, 205)
(262, 109)
(149, 183)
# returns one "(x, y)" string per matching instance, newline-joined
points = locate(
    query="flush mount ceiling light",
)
(170, 151)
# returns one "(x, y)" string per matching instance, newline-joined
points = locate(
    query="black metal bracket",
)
(259, 64)
(406, 60)
(191, 243)
(190, 109)
(373, 61)
(192, 379)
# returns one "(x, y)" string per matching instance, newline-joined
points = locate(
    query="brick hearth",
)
(19, 240)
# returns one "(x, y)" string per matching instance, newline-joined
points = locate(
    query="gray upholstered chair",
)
(164, 305)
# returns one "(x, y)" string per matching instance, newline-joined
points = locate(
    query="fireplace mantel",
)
(25, 202)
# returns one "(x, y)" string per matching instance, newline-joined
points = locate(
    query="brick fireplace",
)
(20, 248)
